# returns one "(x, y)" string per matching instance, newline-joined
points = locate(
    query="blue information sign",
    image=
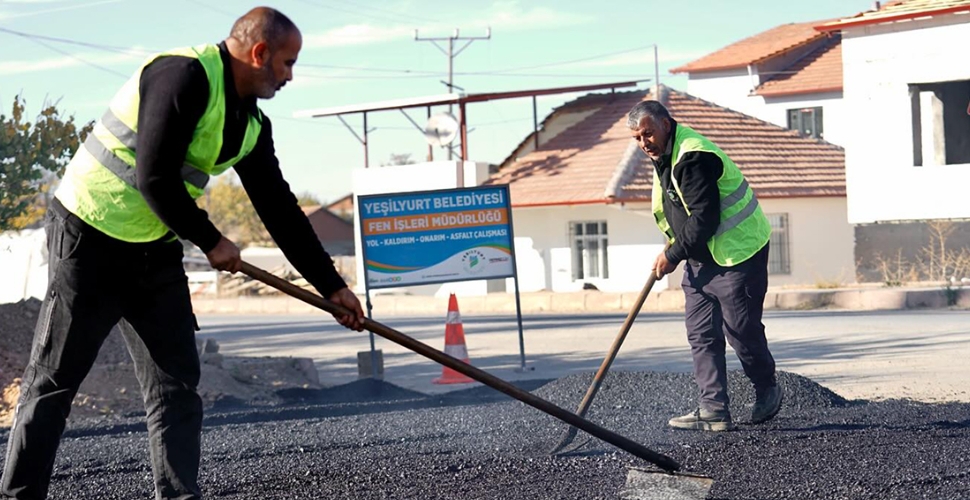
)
(421, 238)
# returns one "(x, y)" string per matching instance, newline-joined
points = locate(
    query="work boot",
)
(767, 403)
(704, 420)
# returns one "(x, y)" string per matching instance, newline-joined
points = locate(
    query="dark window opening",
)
(807, 121)
(940, 122)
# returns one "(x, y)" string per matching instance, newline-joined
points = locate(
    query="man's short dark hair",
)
(646, 108)
(262, 24)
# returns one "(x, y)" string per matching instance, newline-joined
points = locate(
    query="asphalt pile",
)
(370, 439)
(110, 390)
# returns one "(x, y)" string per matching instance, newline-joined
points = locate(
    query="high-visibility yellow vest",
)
(743, 229)
(99, 183)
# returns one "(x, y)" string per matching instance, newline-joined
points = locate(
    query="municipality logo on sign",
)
(473, 261)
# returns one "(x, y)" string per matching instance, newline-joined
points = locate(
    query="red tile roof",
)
(595, 160)
(755, 48)
(898, 11)
(328, 226)
(819, 71)
(574, 166)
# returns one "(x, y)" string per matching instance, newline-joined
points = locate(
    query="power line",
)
(571, 61)
(347, 11)
(109, 48)
(40, 41)
(368, 69)
(439, 75)
(81, 59)
(213, 8)
(498, 72)
(394, 12)
(59, 9)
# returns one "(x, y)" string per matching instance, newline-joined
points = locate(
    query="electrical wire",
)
(394, 12)
(78, 58)
(108, 48)
(346, 11)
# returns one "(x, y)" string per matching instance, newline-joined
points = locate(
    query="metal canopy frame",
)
(462, 100)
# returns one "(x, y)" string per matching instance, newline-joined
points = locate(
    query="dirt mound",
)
(111, 387)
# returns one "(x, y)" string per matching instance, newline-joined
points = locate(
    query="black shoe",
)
(704, 420)
(767, 404)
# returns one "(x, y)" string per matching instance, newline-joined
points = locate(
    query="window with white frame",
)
(588, 242)
(807, 121)
(778, 255)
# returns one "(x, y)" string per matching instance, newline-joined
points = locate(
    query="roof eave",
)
(905, 16)
(540, 204)
(705, 69)
(686, 69)
(782, 93)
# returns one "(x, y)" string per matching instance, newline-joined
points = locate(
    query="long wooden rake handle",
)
(459, 366)
(607, 362)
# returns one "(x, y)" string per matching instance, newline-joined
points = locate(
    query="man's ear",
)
(259, 54)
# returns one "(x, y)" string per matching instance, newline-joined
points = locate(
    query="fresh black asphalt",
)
(372, 440)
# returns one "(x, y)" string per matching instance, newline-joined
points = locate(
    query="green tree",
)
(307, 199)
(232, 213)
(31, 155)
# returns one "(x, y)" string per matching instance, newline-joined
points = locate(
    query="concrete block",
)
(202, 306)
(226, 306)
(211, 358)
(273, 371)
(295, 306)
(536, 302)
(210, 346)
(671, 301)
(771, 300)
(963, 298)
(569, 302)
(270, 305)
(499, 303)
(808, 299)
(926, 298)
(884, 299)
(847, 299)
(628, 299)
(604, 302)
(366, 362)
(477, 304)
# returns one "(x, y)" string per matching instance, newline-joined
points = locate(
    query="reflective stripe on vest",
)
(742, 230)
(99, 184)
(129, 138)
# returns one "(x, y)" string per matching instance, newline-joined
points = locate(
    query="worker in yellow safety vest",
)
(712, 221)
(115, 255)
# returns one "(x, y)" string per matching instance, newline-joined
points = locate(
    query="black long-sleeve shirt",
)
(174, 92)
(697, 173)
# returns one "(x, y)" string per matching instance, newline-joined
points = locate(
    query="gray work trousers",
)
(727, 302)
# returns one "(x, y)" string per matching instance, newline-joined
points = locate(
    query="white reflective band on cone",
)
(457, 351)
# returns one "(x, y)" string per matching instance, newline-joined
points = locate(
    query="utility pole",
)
(452, 54)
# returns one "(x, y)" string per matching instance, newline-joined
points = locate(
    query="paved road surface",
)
(921, 355)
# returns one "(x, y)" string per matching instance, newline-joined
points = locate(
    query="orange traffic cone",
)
(454, 345)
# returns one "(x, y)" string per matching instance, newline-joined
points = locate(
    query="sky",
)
(77, 53)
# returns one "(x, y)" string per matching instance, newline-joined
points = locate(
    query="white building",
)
(581, 201)
(790, 75)
(906, 69)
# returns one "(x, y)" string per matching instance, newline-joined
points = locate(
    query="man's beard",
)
(267, 82)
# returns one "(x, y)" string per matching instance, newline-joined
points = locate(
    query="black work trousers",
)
(727, 302)
(95, 281)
